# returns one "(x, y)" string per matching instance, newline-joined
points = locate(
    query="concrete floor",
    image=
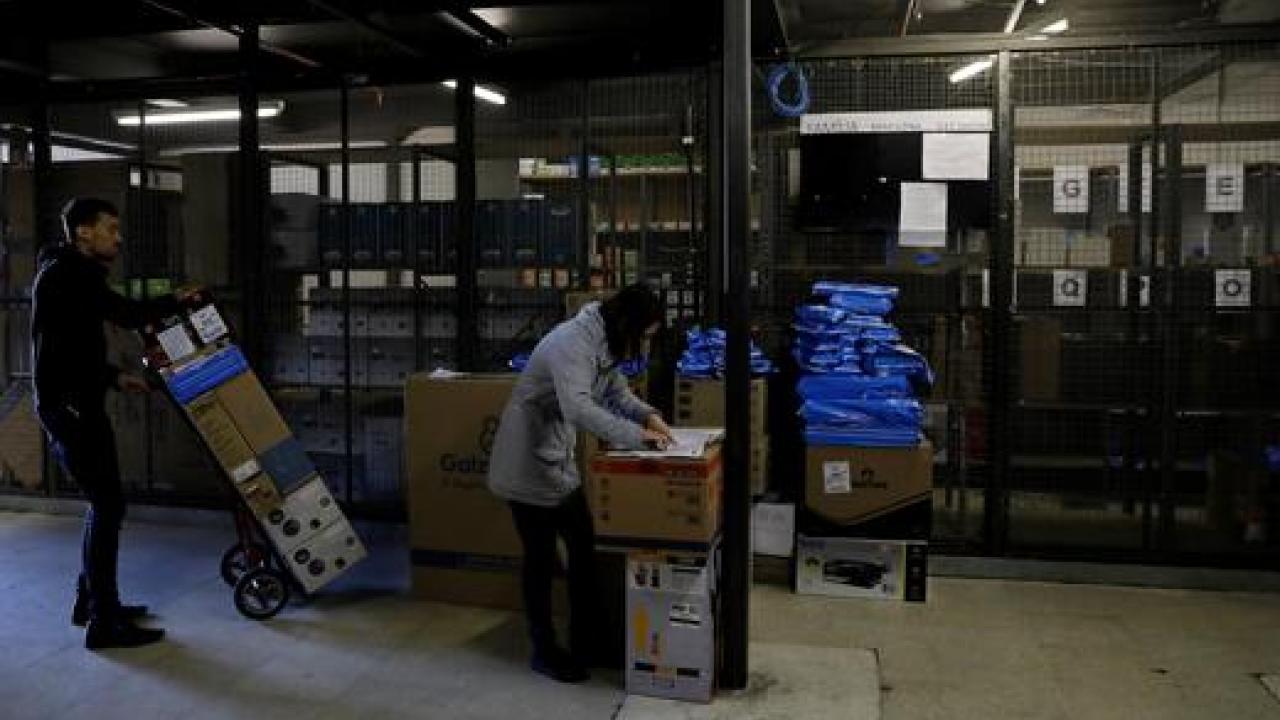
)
(978, 649)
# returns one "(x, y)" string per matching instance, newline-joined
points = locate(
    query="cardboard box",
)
(304, 514)
(222, 438)
(328, 554)
(465, 548)
(247, 404)
(670, 625)
(643, 499)
(1041, 358)
(850, 485)
(857, 568)
(700, 403)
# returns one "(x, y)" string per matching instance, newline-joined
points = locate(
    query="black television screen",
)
(849, 182)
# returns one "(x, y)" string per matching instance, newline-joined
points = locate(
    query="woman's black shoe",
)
(104, 634)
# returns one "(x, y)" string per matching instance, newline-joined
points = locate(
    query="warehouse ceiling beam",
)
(987, 43)
(369, 26)
(236, 31)
(769, 27)
(460, 16)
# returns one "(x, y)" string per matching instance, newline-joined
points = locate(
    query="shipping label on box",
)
(208, 324)
(176, 343)
(857, 568)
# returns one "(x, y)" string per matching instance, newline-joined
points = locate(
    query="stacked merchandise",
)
(860, 380)
(210, 380)
(867, 498)
(704, 355)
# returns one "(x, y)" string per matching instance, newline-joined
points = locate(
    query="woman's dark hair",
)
(82, 211)
(627, 315)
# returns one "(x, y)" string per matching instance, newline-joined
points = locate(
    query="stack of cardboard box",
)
(665, 512)
(237, 421)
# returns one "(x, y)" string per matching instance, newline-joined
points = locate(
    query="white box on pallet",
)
(326, 555)
(306, 511)
(671, 625)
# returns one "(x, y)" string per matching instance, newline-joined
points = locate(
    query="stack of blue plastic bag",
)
(859, 381)
(705, 352)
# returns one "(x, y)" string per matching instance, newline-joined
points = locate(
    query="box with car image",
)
(860, 568)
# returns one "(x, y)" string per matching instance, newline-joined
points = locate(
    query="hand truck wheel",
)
(241, 558)
(261, 593)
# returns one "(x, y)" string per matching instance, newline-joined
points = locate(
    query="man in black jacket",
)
(71, 300)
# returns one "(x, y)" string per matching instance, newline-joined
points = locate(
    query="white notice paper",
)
(837, 478)
(1224, 187)
(176, 343)
(773, 529)
(690, 443)
(956, 156)
(1233, 288)
(1071, 189)
(1070, 288)
(922, 217)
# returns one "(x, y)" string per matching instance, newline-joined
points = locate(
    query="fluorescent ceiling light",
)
(1053, 28)
(265, 110)
(973, 68)
(167, 103)
(483, 93)
(276, 147)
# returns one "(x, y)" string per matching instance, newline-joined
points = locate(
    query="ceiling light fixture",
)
(265, 110)
(1055, 27)
(277, 147)
(974, 68)
(483, 93)
(167, 103)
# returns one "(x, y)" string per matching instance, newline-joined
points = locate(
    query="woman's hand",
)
(656, 425)
(656, 439)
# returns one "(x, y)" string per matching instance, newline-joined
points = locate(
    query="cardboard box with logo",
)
(860, 568)
(464, 546)
(859, 491)
(699, 402)
(671, 625)
(667, 499)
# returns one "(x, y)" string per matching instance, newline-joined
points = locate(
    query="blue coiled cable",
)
(777, 76)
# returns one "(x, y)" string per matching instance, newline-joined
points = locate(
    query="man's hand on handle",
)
(132, 384)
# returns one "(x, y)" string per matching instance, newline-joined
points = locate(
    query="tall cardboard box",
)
(849, 486)
(671, 625)
(699, 402)
(648, 499)
(255, 416)
(464, 545)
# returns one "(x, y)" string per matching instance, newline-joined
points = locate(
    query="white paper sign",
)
(1224, 188)
(176, 343)
(1233, 288)
(837, 478)
(773, 527)
(922, 215)
(1071, 189)
(1144, 289)
(976, 120)
(1122, 188)
(955, 156)
(1070, 288)
(208, 324)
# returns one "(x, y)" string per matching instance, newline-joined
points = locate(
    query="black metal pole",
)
(1169, 366)
(734, 234)
(996, 513)
(48, 230)
(1156, 387)
(465, 119)
(1133, 299)
(714, 258)
(583, 259)
(348, 409)
(251, 212)
(419, 237)
(139, 255)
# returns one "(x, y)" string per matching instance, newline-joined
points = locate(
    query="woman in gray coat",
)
(571, 384)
